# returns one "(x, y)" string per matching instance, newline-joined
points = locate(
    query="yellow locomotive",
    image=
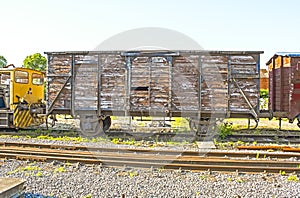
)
(21, 97)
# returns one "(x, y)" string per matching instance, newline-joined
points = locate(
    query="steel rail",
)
(195, 163)
(291, 152)
(275, 137)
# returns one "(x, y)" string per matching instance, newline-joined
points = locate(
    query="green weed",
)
(257, 132)
(63, 138)
(257, 155)
(12, 172)
(293, 178)
(133, 174)
(282, 172)
(224, 130)
(60, 170)
(116, 140)
(30, 168)
(39, 174)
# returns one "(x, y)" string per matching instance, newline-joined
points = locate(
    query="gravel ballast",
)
(60, 179)
(78, 180)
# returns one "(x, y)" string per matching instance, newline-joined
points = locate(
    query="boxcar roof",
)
(210, 52)
(287, 54)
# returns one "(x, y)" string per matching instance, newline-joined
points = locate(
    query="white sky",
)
(30, 26)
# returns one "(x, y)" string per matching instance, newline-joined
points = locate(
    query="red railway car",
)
(284, 86)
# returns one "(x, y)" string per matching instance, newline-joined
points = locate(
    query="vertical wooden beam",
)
(73, 86)
(99, 69)
(128, 81)
(170, 62)
(47, 88)
(281, 85)
(228, 85)
(200, 86)
(273, 86)
(258, 81)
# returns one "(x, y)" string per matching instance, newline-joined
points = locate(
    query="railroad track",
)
(166, 159)
(265, 138)
(34, 132)
(272, 136)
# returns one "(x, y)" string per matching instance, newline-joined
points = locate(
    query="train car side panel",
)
(244, 84)
(85, 83)
(157, 83)
(185, 85)
(113, 74)
(284, 80)
(59, 83)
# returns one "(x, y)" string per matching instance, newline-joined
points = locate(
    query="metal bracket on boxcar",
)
(54, 119)
(298, 120)
(253, 112)
(150, 53)
(256, 123)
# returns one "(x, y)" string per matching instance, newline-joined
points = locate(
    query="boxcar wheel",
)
(106, 123)
(91, 125)
(199, 126)
(204, 128)
(193, 126)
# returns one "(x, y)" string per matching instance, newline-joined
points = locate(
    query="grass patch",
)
(133, 174)
(63, 138)
(224, 130)
(39, 174)
(282, 172)
(60, 170)
(229, 145)
(30, 168)
(293, 178)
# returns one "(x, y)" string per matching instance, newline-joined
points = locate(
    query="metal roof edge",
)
(212, 52)
(286, 54)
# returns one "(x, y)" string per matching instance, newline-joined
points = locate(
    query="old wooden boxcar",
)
(284, 85)
(94, 85)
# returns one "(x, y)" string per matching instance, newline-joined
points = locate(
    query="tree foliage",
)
(3, 61)
(35, 61)
(264, 93)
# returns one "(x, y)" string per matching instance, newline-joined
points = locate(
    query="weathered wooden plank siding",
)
(59, 68)
(248, 83)
(149, 83)
(86, 85)
(113, 82)
(215, 86)
(184, 82)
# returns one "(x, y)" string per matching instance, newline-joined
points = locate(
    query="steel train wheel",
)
(193, 125)
(92, 125)
(106, 123)
(200, 128)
